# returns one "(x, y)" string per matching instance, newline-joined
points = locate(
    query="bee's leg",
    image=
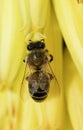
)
(51, 76)
(51, 58)
(25, 60)
(27, 78)
(46, 51)
(49, 55)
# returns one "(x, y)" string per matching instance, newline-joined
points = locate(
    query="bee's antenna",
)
(42, 40)
(30, 40)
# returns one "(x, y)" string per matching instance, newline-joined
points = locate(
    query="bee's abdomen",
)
(39, 96)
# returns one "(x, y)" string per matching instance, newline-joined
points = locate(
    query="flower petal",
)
(73, 92)
(11, 41)
(69, 14)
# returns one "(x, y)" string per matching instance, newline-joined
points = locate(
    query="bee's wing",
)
(24, 85)
(54, 85)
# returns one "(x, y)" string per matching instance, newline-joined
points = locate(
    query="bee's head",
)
(35, 45)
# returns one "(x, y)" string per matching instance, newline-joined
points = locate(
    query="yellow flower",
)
(69, 15)
(73, 92)
(33, 20)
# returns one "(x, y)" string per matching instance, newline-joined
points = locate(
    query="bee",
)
(39, 77)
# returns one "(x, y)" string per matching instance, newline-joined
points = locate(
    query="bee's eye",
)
(30, 46)
(40, 45)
